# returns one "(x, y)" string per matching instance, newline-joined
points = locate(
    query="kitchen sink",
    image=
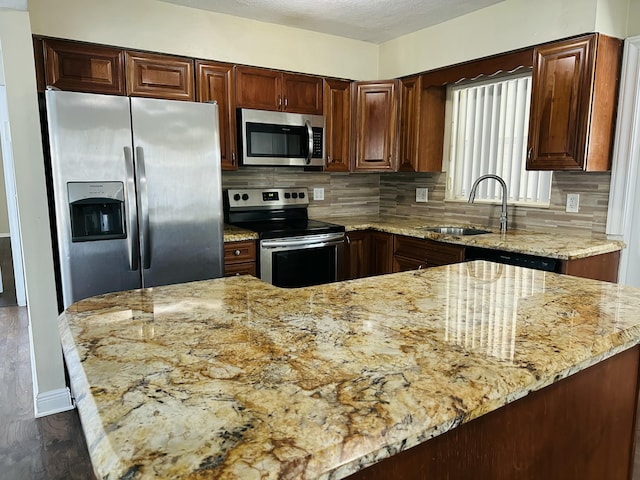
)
(457, 231)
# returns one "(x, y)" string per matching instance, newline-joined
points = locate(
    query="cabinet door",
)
(410, 91)
(375, 118)
(337, 111)
(302, 94)
(357, 255)
(83, 67)
(258, 88)
(159, 76)
(380, 253)
(431, 128)
(573, 104)
(215, 82)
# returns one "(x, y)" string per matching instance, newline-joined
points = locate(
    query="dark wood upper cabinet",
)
(410, 94)
(431, 128)
(215, 82)
(82, 67)
(337, 111)
(159, 76)
(573, 104)
(302, 93)
(265, 89)
(374, 119)
(258, 88)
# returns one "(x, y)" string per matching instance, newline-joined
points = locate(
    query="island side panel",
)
(598, 267)
(582, 428)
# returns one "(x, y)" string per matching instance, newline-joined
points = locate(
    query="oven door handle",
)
(322, 241)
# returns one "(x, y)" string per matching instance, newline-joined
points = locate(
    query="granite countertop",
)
(559, 246)
(237, 379)
(237, 234)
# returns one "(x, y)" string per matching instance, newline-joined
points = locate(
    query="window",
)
(488, 123)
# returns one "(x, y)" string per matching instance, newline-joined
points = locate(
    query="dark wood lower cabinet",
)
(380, 253)
(357, 254)
(580, 428)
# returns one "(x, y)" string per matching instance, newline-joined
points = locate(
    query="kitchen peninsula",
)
(235, 378)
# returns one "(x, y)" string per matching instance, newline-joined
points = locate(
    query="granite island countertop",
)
(236, 379)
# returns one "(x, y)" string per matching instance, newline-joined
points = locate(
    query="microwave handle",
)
(310, 145)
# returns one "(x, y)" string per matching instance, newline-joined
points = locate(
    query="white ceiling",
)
(373, 21)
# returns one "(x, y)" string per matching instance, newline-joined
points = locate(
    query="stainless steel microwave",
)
(280, 139)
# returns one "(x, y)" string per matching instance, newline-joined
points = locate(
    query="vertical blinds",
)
(489, 127)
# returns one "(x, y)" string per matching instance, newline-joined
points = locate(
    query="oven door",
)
(302, 261)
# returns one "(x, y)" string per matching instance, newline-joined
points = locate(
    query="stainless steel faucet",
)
(503, 213)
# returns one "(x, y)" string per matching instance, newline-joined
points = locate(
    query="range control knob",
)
(294, 195)
(301, 194)
(236, 197)
(287, 195)
(245, 196)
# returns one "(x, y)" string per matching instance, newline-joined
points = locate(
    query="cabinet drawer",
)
(234, 269)
(427, 252)
(410, 247)
(239, 252)
(443, 254)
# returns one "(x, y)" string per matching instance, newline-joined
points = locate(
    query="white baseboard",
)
(53, 401)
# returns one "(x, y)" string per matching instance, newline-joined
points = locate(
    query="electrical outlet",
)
(422, 194)
(573, 203)
(318, 193)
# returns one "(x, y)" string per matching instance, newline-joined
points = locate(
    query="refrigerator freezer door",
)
(88, 137)
(177, 154)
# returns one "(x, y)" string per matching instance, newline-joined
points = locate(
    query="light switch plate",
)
(318, 193)
(573, 203)
(422, 195)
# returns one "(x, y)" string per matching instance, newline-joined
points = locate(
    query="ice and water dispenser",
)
(97, 210)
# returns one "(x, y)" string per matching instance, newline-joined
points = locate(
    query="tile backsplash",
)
(394, 194)
(344, 193)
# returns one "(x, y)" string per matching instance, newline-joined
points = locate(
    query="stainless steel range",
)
(295, 251)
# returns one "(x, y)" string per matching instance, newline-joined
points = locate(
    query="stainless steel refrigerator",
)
(137, 192)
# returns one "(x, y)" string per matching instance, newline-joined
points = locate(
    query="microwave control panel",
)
(317, 143)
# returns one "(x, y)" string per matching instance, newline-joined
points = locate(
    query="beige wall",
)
(163, 27)
(508, 25)
(19, 74)
(633, 26)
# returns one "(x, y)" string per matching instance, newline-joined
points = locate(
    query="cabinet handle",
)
(420, 267)
(347, 239)
(236, 253)
(279, 101)
(286, 102)
(233, 158)
(328, 158)
(529, 152)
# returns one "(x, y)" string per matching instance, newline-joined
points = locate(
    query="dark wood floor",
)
(8, 295)
(48, 448)
(52, 447)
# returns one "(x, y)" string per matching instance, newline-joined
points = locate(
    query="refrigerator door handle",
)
(143, 201)
(132, 211)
